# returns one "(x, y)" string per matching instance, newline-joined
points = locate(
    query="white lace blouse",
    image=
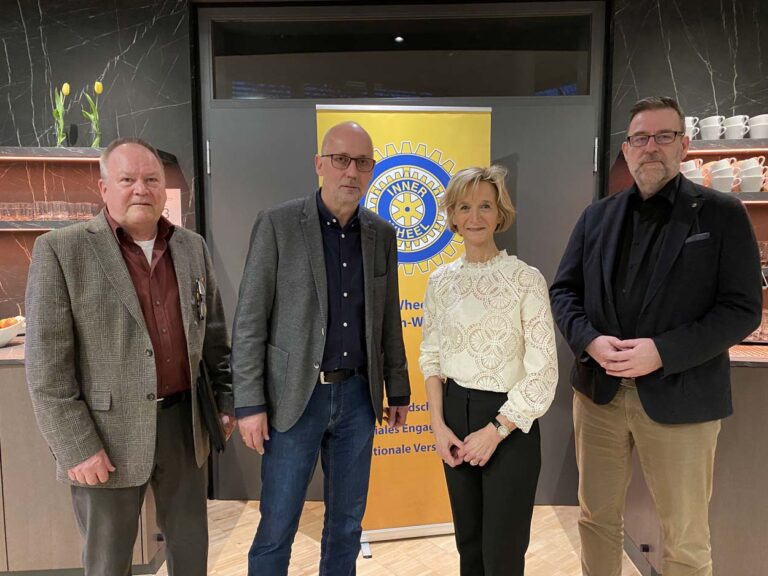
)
(488, 326)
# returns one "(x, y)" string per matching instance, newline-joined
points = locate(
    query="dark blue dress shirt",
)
(345, 333)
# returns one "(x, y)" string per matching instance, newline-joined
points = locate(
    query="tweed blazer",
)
(89, 359)
(282, 312)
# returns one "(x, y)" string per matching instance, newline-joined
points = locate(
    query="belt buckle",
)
(322, 378)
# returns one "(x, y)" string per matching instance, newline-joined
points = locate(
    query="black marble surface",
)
(711, 55)
(140, 51)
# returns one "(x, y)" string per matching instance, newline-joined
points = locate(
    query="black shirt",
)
(345, 333)
(642, 235)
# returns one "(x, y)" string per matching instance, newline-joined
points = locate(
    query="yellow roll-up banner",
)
(417, 150)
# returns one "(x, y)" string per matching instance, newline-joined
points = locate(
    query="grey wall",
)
(140, 51)
(710, 55)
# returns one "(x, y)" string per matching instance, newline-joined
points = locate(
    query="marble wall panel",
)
(710, 55)
(140, 51)
(43, 188)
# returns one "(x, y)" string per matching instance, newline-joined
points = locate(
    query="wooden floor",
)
(553, 550)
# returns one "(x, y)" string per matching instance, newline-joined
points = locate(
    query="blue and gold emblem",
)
(406, 189)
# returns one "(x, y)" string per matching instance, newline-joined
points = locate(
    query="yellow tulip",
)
(98, 87)
(65, 89)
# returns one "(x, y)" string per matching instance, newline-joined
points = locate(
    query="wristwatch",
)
(501, 430)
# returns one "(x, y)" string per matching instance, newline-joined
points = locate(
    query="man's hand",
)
(447, 445)
(93, 471)
(480, 446)
(635, 358)
(254, 430)
(601, 346)
(229, 422)
(395, 416)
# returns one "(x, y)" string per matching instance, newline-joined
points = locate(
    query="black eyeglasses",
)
(341, 161)
(662, 139)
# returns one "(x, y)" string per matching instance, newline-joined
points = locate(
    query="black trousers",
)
(491, 505)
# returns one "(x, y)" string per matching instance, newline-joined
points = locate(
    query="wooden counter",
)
(13, 352)
(38, 533)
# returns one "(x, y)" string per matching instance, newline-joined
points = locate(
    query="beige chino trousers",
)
(677, 462)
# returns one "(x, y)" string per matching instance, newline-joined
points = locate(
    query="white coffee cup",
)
(734, 120)
(712, 132)
(696, 178)
(689, 165)
(723, 172)
(759, 119)
(723, 163)
(725, 183)
(753, 162)
(752, 183)
(692, 131)
(711, 121)
(758, 130)
(736, 132)
(691, 120)
(756, 171)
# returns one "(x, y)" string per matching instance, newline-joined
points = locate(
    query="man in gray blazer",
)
(316, 343)
(120, 310)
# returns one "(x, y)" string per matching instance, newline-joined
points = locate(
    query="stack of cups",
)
(736, 127)
(691, 169)
(712, 127)
(723, 174)
(753, 174)
(691, 130)
(758, 126)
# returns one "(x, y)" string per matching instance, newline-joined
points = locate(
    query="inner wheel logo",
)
(406, 189)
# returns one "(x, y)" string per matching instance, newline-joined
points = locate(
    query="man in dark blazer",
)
(657, 282)
(317, 341)
(120, 310)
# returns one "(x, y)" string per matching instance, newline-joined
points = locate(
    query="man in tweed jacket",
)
(120, 311)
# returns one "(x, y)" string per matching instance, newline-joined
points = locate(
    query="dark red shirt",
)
(158, 294)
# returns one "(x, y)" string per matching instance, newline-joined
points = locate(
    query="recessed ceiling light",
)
(399, 39)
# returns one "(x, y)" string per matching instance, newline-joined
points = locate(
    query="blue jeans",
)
(337, 424)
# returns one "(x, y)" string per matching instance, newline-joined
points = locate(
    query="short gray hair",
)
(104, 158)
(657, 103)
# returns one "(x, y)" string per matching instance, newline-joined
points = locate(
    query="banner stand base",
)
(403, 532)
(365, 548)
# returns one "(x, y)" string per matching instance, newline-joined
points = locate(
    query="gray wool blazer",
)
(89, 360)
(282, 312)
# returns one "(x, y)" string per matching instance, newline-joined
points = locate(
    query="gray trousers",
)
(108, 518)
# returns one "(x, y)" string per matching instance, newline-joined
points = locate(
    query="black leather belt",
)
(168, 401)
(337, 376)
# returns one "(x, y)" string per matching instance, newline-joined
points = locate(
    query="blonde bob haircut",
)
(467, 180)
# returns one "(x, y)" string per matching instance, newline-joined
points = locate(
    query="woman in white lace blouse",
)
(490, 368)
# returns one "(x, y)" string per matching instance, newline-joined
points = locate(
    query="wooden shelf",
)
(741, 147)
(751, 197)
(34, 225)
(67, 155)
